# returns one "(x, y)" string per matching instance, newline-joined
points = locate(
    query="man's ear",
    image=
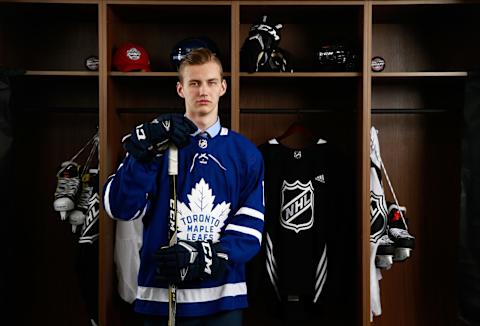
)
(224, 87)
(180, 89)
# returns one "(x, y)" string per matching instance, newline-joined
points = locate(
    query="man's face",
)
(202, 87)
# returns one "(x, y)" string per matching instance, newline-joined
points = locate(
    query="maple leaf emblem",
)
(200, 220)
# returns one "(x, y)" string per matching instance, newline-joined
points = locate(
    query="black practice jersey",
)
(298, 205)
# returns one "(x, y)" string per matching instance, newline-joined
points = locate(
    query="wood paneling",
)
(421, 153)
(47, 48)
(426, 38)
(45, 283)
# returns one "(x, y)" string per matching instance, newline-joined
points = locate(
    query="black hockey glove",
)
(252, 53)
(263, 37)
(190, 261)
(151, 139)
(269, 33)
(180, 129)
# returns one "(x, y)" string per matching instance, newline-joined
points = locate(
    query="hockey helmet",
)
(182, 48)
(336, 57)
(131, 57)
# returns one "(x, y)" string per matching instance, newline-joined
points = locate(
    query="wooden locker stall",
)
(328, 103)
(417, 104)
(135, 97)
(54, 108)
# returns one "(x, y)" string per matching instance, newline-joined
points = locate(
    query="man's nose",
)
(203, 89)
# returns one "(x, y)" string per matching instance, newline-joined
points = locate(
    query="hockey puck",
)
(378, 64)
(91, 63)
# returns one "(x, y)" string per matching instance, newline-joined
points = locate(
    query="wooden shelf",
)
(60, 73)
(300, 74)
(60, 1)
(242, 74)
(416, 74)
(142, 74)
(149, 74)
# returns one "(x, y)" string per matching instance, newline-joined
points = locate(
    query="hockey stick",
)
(172, 230)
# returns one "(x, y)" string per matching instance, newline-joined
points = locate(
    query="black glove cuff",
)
(211, 259)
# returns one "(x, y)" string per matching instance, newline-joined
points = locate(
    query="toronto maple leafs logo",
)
(200, 220)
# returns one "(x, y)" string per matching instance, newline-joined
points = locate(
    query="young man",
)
(219, 200)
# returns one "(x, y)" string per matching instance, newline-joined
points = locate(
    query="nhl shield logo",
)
(297, 206)
(203, 143)
(378, 216)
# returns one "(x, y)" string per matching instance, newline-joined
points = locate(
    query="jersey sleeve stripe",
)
(250, 212)
(245, 230)
(270, 252)
(193, 295)
(320, 263)
(273, 281)
(88, 239)
(321, 274)
(320, 289)
(106, 200)
(140, 214)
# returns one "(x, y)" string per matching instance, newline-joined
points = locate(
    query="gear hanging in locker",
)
(292, 272)
(390, 240)
(77, 200)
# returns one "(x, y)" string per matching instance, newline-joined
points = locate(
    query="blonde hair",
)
(198, 56)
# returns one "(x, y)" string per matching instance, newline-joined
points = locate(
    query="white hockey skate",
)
(398, 232)
(385, 252)
(78, 215)
(67, 187)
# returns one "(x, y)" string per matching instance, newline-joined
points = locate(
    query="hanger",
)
(297, 127)
(297, 134)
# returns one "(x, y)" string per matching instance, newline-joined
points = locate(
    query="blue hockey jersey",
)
(220, 198)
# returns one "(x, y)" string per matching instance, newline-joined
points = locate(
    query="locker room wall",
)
(54, 110)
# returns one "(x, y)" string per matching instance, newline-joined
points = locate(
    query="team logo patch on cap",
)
(131, 57)
(133, 54)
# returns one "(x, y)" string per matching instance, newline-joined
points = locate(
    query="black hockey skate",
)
(398, 232)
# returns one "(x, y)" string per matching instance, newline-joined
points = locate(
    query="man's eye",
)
(212, 82)
(193, 84)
